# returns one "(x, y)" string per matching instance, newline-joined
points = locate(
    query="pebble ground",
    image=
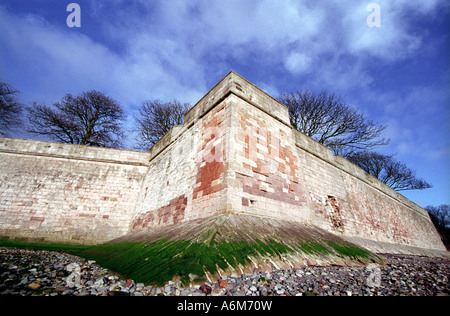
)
(49, 273)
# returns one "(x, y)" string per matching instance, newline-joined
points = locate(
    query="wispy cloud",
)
(151, 46)
(58, 61)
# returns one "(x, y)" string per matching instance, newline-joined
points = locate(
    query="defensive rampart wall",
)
(65, 193)
(236, 153)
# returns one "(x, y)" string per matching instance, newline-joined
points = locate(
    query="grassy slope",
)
(193, 250)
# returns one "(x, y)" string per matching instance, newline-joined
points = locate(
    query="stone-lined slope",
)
(205, 249)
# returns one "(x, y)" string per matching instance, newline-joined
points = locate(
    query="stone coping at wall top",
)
(69, 151)
(232, 83)
(324, 153)
(236, 84)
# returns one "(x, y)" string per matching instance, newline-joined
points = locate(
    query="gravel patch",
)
(50, 273)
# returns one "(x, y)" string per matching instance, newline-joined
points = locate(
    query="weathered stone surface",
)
(65, 193)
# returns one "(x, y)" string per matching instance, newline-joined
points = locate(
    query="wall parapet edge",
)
(165, 141)
(324, 153)
(234, 83)
(69, 151)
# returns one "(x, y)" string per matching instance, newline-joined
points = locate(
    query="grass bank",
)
(160, 261)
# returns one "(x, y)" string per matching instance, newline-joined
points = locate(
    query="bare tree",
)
(389, 171)
(440, 216)
(156, 118)
(91, 119)
(327, 119)
(10, 109)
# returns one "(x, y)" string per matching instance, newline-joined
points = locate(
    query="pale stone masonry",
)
(66, 193)
(236, 153)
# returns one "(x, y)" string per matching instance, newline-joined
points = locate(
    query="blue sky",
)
(398, 74)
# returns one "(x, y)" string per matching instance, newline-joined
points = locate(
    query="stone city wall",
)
(65, 193)
(236, 153)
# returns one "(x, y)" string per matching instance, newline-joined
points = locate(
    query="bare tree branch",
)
(440, 216)
(156, 118)
(389, 171)
(91, 119)
(10, 109)
(327, 119)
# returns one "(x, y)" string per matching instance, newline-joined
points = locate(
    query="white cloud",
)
(298, 63)
(269, 89)
(59, 61)
(416, 118)
(170, 48)
(391, 41)
(439, 153)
